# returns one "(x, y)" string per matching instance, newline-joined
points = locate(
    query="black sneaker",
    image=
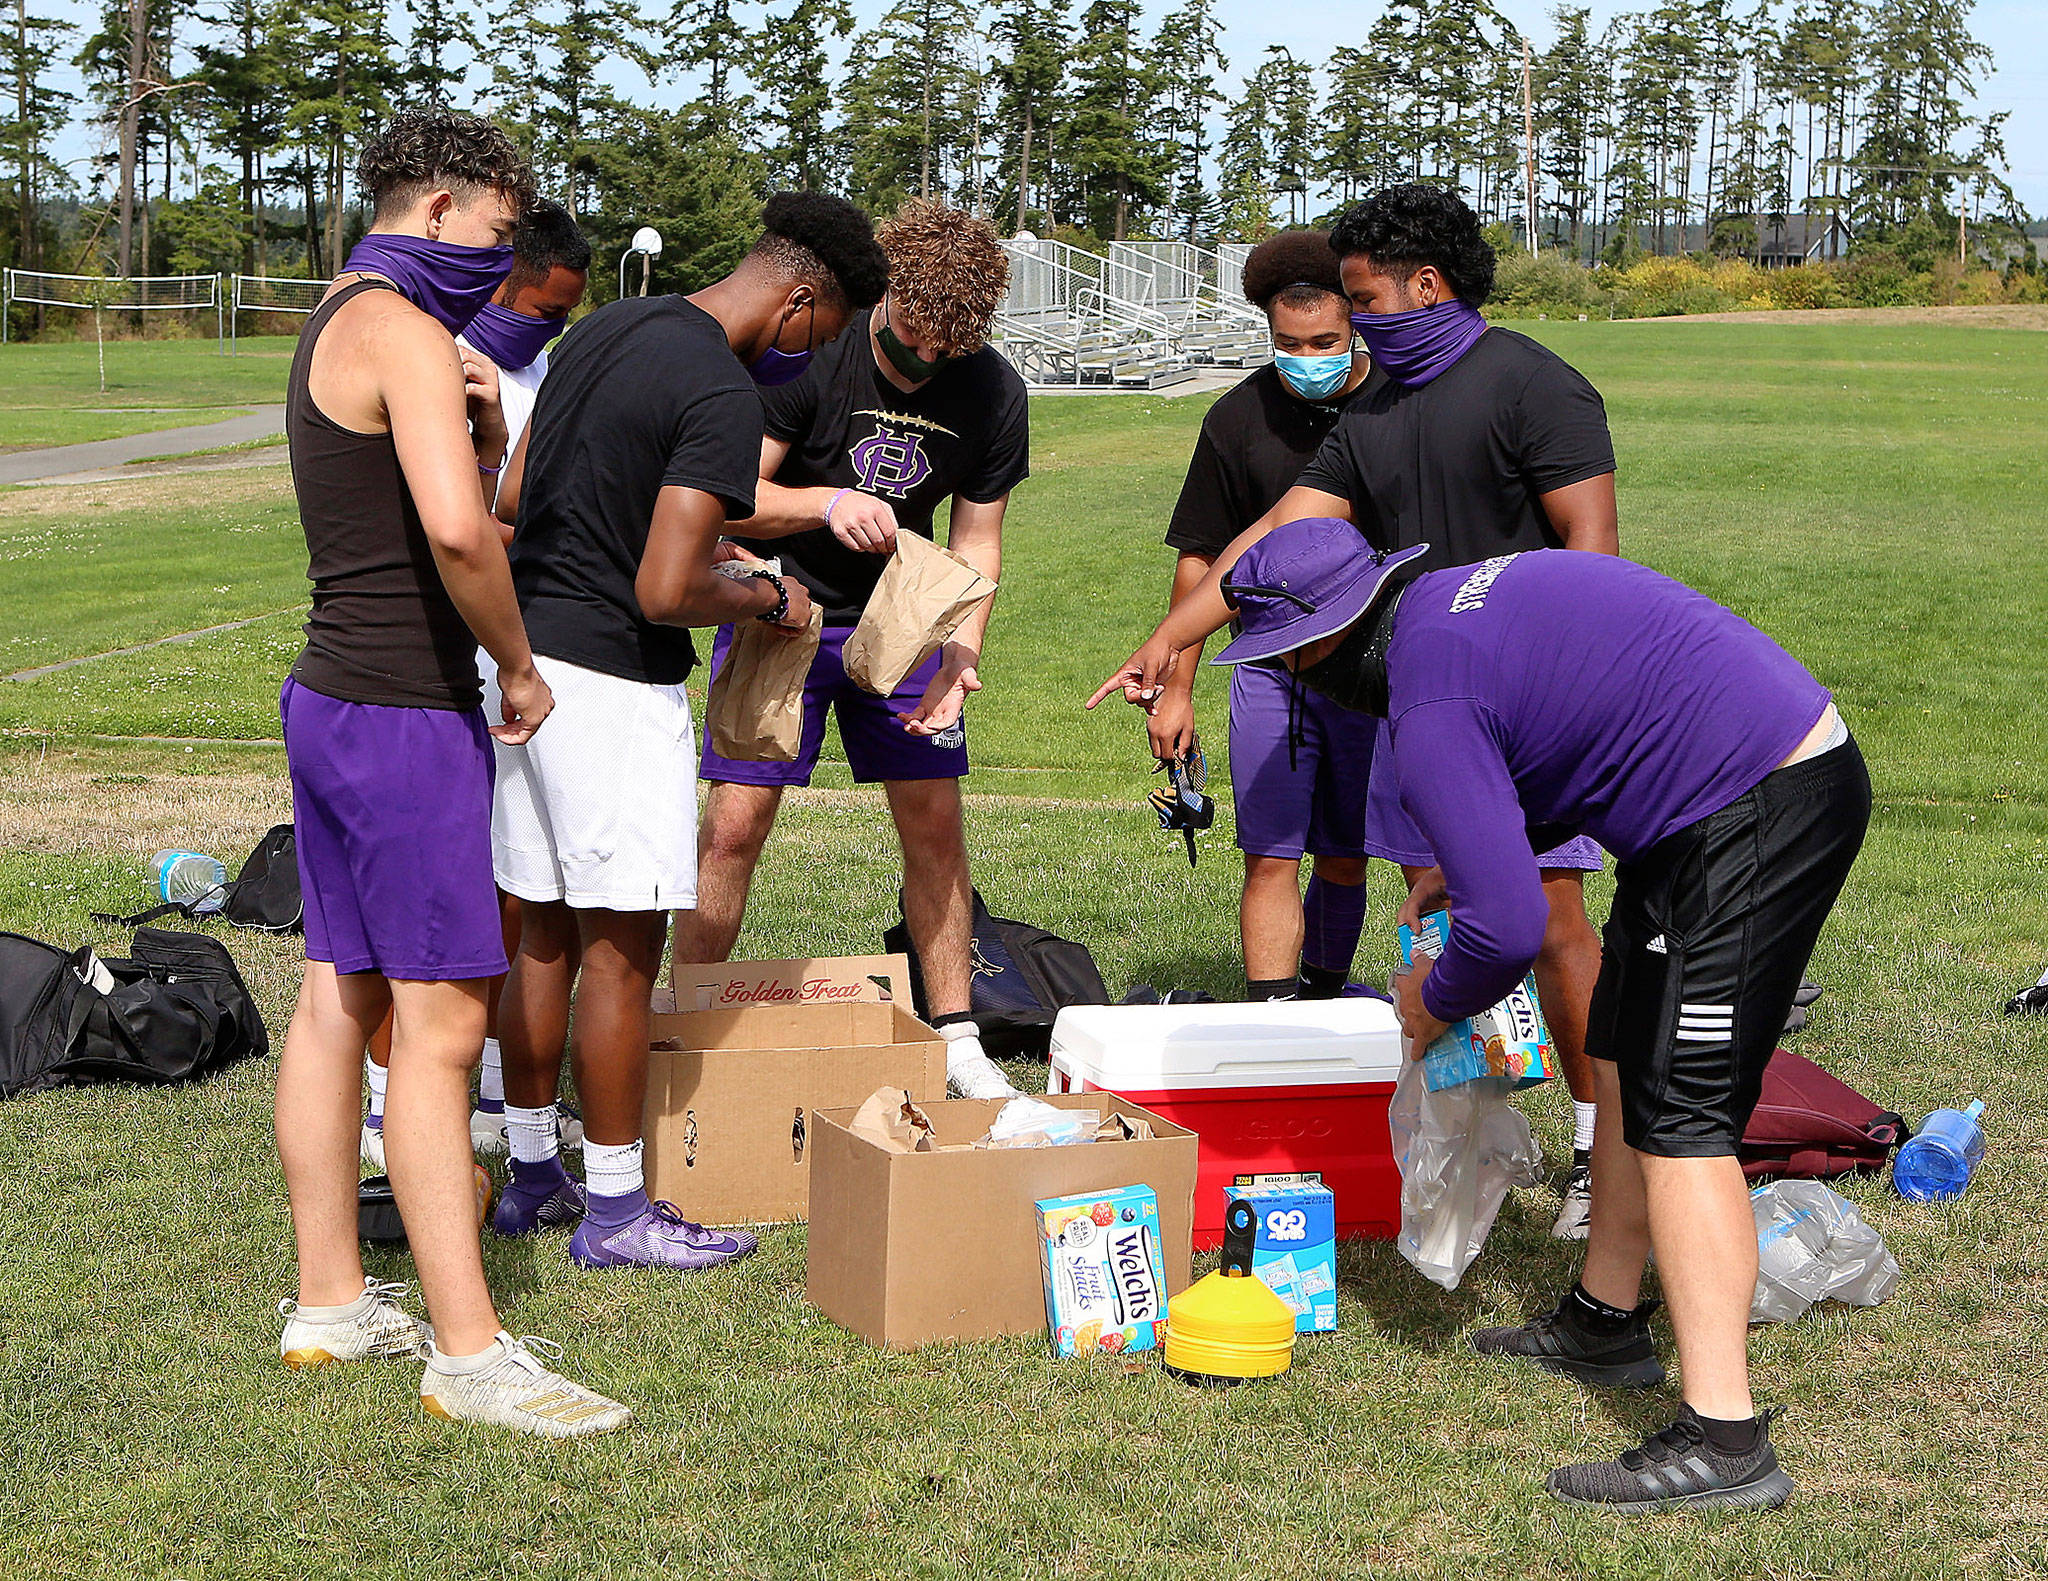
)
(2029, 1001)
(1627, 1360)
(1679, 1467)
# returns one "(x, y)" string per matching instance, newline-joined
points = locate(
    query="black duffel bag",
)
(177, 1010)
(1019, 979)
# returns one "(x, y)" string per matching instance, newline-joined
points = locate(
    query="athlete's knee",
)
(737, 822)
(1346, 870)
(621, 947)
(928, 821)
(1267, 874)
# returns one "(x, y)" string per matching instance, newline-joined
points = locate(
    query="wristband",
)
(773, 617)
(833, 504)
(490, 471)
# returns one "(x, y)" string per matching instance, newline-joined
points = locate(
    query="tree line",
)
(227, 129)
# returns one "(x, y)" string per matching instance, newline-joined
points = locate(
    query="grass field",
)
(50, 394)
(1867, 492)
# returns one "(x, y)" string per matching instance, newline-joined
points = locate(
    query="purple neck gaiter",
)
(447, 281)
(511, 340)
(1414, 347)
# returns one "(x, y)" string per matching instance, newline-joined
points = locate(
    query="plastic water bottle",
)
(189, 878)
(1942, 1156)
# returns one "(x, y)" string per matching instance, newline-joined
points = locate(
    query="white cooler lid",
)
(1285, 1043)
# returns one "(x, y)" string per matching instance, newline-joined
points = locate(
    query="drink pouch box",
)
(1294, 1248)
(1511, 1040)
(1105, 1285)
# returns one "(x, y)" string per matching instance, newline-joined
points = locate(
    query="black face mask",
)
(1354, 674)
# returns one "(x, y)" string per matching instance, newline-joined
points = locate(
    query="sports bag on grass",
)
(924, 595)
(1810, 1125)
(264, 895)
(176, 1010)
(1019, 979)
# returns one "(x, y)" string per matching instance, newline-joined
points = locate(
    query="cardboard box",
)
(839, 979)
(1294, 1249)
(907, 1248)
(730, 1092)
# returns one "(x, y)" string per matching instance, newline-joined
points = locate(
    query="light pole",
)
(647, 243)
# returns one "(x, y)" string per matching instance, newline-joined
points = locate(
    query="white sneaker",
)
(513, 1389)
(372, 1148)
(373, 1324)
(568, 1126)
(969, 1070)
(487, 1131)
(1574, 1218)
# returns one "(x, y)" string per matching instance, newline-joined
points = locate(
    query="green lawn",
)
(50, 393)
(1865, 492)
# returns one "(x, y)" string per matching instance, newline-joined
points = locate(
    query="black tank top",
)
(383, 628)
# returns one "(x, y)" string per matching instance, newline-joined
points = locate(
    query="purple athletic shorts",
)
(1317, 806)
(392, 811)
(1390, 833)
(877, 746)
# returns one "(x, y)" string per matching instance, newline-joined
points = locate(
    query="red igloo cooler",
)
(1269, 1088)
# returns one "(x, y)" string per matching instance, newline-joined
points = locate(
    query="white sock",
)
(963, 1041)
(359, 1307)
(532, 1133)
(490, 1086)
(379, 1078)
(1582, 1126)
(612, 1171)
(441, 1361)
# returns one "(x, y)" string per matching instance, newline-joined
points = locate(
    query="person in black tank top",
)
(390, 765)
(1291, 762)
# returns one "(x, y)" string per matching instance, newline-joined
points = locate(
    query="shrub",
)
(1806, 285)
(1880, 277)
(1529, 285)
(1737, 278)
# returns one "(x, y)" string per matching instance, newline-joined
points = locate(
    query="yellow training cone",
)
(1227, 1326)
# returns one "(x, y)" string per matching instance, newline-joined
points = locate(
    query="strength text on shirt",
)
(1472, 592)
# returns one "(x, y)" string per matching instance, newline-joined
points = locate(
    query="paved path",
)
(62, 461)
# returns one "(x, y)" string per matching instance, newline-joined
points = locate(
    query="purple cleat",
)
(658, 1238)
(529, 1206)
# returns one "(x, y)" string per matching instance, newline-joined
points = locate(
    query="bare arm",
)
(1204, 610)
(676, 584)
(860, 521)
(975, 534)
(420, 382)
(1585, 515)
(1170, 726)
(510, 482)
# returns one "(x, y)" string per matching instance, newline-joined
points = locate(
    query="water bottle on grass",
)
(190, 878)
(1942, 1156)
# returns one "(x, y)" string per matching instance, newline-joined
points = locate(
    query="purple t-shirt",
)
(1569, 693)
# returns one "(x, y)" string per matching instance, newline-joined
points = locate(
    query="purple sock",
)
(1332, 917)
(490, 1106)
(613, 1211)
(540, 1176)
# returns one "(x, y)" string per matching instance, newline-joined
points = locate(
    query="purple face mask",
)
(449, 282)
(511, 340)
(1414, 347)
(775, 367)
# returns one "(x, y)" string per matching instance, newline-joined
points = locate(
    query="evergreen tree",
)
(1187, 52)
(903, 103)
(30, 116)
(439, 52)
(795, 75)
(1119, 162)
(1360, 123)
(240, 72)
(1035, 36)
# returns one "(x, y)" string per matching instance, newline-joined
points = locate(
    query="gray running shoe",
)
(1679, 1467)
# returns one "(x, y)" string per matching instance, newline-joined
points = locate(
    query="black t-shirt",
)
(1459, 462)
(965, 431)
(642, 395)
(1255, 440)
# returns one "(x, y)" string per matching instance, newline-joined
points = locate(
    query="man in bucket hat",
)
(1547, 693)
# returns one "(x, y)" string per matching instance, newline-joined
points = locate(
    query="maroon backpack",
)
(1815, 1126)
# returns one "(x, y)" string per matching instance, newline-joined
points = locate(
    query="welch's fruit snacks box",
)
(1105, 1287)
(1294, 1248)
(1511, 1040)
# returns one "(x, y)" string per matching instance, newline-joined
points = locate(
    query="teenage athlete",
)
(643, 448)
(391, 770)
(1477, 442)
(1540, 693)
(910, 408)
(1292, 765)
(504, 354)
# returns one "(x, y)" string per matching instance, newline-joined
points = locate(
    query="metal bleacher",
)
(1148, 314)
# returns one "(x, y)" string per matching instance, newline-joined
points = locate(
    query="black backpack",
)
(264, 895)
(178, 1011)
(1020, 977)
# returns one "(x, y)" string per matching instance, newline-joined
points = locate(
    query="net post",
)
(235, 319)
(220, 342)
(6, 303)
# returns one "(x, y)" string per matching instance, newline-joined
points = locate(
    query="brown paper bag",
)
(755, 711)
(923, 596)
(891, 1121)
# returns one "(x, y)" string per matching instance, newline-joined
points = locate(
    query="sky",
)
(2015, 30)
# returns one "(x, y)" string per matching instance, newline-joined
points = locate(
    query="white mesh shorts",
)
(599, 809)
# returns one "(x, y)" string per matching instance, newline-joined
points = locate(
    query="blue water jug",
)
(190, 878)
(1942, 1156)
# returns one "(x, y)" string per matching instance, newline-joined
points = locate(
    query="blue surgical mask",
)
(1314, 378)
(775, 367)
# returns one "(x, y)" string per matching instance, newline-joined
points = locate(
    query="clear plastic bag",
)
(1812, 1246)
(1459, 1151)
(1025, 1122)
